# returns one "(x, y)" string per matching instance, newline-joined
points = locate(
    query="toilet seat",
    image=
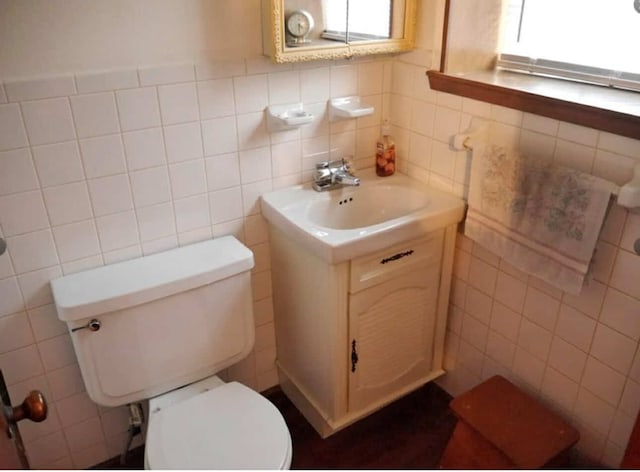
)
(227, 427)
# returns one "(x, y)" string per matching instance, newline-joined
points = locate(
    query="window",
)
(589, 40)
(353, 17)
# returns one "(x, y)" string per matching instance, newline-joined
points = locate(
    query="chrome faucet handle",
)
(346, 178)
(322, 173)
(347, 166)
(345, 175)
(329, 174)
(343, 162)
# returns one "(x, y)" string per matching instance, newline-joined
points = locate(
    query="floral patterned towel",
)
(542, 218)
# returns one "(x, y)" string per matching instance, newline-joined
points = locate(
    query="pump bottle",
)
(385, 152)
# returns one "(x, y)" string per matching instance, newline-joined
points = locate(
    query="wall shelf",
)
(602, 108)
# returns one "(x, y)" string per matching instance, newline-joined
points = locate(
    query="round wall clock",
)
(299, 24)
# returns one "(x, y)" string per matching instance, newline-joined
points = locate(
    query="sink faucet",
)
(332, 174)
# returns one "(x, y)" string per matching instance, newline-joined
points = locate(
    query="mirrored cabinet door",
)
(303, 30)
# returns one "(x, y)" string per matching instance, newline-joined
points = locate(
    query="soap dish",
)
(348, 107)
(287, 117)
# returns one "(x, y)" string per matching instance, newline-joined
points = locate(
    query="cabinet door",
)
(391, 327)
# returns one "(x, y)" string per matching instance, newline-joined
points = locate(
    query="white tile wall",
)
(95, 114)
(216, 98)
(178, 103)
(578, 354)
(48, 121)
(23, 212)
(58, 164)
(150, 186)
(111, 165)
(183, 142)
(144, 148)
(102, 81)
(102, 156)
(46, 87)
(138, 108)
(107, 166)
(12, 132)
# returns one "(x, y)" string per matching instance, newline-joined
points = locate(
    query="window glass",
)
(599, 37)
(362, 24)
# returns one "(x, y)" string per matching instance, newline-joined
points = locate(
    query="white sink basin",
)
(348, 222)
(367, 206)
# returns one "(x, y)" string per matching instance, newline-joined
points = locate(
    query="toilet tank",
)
(166, 320)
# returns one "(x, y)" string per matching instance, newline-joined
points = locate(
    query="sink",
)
(349, 222)
(367, 206)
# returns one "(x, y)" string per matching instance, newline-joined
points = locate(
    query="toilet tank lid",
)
(129, 283)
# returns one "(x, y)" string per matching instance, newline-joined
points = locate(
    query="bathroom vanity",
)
(357, 329)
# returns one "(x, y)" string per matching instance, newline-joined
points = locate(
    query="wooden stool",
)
(501, 427)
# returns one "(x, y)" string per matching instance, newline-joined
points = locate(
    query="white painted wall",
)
(61, 36)
(473, 35)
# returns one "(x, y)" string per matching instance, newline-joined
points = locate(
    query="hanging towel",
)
(542, 218)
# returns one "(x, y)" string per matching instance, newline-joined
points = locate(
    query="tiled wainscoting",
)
(578, 354)
(101, 167)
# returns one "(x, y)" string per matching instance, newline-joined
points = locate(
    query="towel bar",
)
(628, 194)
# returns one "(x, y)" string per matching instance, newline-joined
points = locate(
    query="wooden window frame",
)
(594, 106)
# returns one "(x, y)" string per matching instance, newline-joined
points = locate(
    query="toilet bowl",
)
(215, 425)
(159, 328)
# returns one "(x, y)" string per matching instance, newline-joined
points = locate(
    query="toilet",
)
(159, 328)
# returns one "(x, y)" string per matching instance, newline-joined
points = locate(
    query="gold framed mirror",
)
(308, 30)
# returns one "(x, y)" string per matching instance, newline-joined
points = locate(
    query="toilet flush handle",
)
(93, 325)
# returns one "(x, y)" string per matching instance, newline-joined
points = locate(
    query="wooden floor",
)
(411, 433)
(408, 434)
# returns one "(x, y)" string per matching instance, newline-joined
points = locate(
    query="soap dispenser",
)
(385, 152)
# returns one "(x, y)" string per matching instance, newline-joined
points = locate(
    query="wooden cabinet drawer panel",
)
(384, 265)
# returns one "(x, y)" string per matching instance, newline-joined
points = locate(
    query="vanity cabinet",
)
(354, 336)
